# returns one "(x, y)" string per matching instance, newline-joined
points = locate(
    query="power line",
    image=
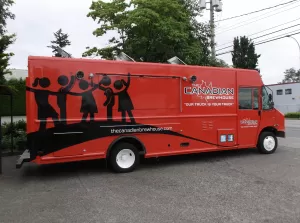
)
(255, 17)
(234, 27)
(262, 31)
(264, 35)
(284, 34)
(263, 42)
(275, 6)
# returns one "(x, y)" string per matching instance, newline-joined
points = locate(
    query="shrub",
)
(293, 115)
(18, 130)
(21, 125)
(15, 128)
(19, 98)
(6, 143)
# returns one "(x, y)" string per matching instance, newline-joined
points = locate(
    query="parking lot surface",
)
(232, 186)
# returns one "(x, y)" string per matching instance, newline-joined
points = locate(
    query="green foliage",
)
(243, 55)
(291, 75)
(15, 128)
(151, 31)
(219, 63)
(61, 40)
(5, 42)
(19, 142)
(5, 14)
(106, 53)
(19, 98)
(18, 131)
(21, 124)
(293, 115)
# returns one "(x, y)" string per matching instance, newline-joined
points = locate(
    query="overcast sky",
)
(36, 20)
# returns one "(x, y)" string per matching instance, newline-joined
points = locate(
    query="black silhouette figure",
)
(62, 96)
(88, 103)
(125, 103)
(110, 97)
(45, 110)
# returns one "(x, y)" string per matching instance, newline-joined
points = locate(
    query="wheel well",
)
(269, 129)
(132, 140)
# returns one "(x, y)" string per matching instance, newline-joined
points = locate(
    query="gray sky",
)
(36, 20)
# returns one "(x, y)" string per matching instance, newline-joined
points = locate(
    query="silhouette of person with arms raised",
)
(110, 96)
(125, 103)
(62, 96)
(45, 110)
(88, 103)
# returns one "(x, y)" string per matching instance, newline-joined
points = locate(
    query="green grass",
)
(293, 115)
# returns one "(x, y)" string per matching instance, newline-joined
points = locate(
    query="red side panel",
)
(157, 104)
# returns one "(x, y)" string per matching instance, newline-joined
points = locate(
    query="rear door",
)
(248, 115)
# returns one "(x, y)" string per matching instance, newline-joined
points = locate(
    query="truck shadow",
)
(99, 167)
(207, 157)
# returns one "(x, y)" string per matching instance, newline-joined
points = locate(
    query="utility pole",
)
(212, 28)
(214, 5)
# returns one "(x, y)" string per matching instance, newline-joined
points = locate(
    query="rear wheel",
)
(267, 143)
(124, 157)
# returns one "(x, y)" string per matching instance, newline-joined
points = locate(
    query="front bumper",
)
(280, 134)
(25, 157)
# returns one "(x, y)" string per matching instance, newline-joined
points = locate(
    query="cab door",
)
(268, 114)
(249, 116)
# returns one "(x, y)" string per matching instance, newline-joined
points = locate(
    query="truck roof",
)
(145, 64)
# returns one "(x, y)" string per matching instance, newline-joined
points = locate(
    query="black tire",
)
(267, 143)
(130, 152)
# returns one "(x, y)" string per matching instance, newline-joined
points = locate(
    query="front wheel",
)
(124, 158)
(267, 143)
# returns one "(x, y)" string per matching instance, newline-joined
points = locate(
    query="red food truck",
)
(83, 109)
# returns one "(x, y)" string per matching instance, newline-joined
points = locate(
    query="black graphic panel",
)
(63, 99)
(55, 139)
(66, 83)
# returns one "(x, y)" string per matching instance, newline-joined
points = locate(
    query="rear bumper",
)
(280, 134)
(25, 157)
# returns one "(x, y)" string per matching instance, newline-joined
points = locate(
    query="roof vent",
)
(63, 53)
(124, 57)
(176, 60)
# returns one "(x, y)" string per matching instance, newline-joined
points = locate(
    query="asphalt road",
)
(293, 128)
(235, 186)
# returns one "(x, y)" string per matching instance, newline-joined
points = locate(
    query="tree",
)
(152, 31)
(218, 63)
(61, 40)
(243, 55)
(291, 75)
(5, 14)
(5, 39)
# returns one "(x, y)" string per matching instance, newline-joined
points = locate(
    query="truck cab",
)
(258, 116)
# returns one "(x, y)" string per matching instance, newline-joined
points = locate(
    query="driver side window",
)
(248, 98)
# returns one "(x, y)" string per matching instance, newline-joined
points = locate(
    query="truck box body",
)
(164, 109)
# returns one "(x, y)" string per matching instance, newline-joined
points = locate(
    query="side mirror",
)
(270, 97)
(272, 105)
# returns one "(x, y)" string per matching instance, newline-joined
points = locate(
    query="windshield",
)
(266, 103)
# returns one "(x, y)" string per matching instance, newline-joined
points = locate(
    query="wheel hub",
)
(269, 143)
(125, 158)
